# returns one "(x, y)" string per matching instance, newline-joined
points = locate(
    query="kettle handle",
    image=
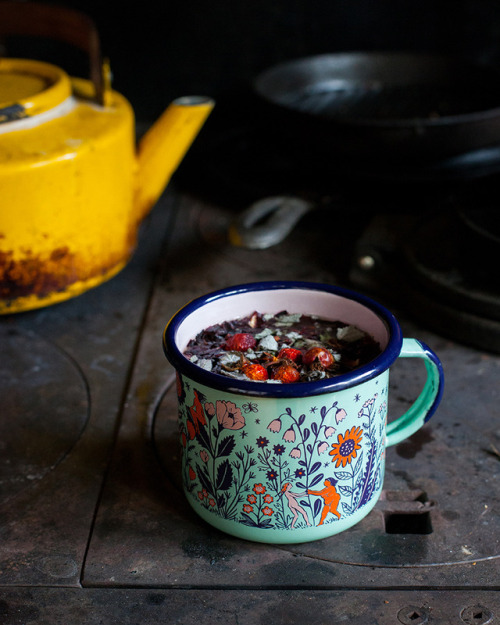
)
(56, 22)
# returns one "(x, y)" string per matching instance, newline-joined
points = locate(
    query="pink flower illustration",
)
(209, 408)
(229, 416)
(275, 425)
(289, 436)
(340, 415)
(295, 453)
(322, 447)
(204, 455)
(329, 431)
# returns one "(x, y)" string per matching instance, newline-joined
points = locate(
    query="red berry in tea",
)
(255, 372)
(240, 342)
(318, 355)
(287, 374)
(291, 353)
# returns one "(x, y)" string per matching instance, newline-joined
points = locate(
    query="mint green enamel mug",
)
(291, 463)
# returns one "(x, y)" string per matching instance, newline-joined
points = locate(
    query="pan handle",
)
(268, 221)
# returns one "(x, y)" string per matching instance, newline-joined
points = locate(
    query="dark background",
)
(161, 50)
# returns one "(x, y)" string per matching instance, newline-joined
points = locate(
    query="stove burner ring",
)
(453, 273)
(483, 226)
(45, 408)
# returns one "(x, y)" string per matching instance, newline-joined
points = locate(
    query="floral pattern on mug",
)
(361, 484)
(301, 470)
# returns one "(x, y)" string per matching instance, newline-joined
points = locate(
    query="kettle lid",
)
(29, 88)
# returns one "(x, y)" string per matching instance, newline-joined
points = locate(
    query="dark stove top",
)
(248, 150)
(405, 229)
(94, 524)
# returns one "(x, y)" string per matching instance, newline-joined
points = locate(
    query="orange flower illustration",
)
(179, 387)
(259, 489)
(346, 447)
(191, 430)
(197, 416)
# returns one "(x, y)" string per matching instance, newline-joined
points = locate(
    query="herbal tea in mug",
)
(281, 348)
(295, 458)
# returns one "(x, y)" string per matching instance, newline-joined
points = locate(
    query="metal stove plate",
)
(45, 407)
(427, 515)
(145, 533)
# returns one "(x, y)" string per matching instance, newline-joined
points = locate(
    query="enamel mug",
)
(291, 463)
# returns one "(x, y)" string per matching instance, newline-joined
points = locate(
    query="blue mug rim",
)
(301, 389)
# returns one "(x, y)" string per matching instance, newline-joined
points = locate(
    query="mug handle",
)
(426, 403)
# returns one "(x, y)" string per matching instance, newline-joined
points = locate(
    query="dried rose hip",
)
(291, 353)
(318, 355)
(240, 342)
(255, 372)
(286, 374)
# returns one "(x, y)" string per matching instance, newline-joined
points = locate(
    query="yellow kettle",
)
(73, 185)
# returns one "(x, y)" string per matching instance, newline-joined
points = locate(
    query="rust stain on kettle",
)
(34, 275)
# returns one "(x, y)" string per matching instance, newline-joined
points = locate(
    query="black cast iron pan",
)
(399, 107)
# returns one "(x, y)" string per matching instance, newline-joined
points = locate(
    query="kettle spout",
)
(164, 146)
